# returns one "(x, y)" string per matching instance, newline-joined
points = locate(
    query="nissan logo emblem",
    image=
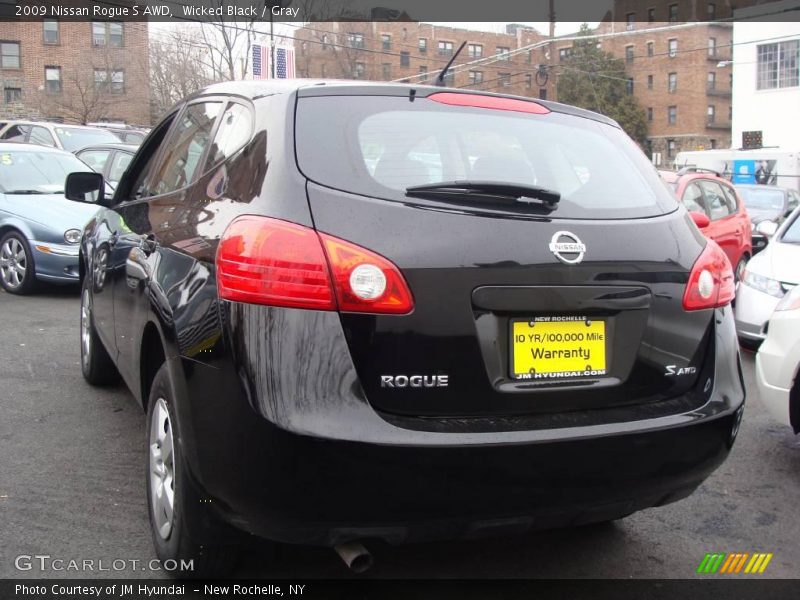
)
(567, 247)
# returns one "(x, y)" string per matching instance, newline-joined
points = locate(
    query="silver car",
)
(768, 277)
(40, 229)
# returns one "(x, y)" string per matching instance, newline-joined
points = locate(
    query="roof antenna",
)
(440, 79)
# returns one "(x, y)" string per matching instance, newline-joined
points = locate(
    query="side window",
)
(716, 203)
(134, 138)
(730, 198)
(119, 163)
(96, 159)
(794, 200)
(40, 135)
(693, 199)
(16, 133)
(235, 130)
(185, 147)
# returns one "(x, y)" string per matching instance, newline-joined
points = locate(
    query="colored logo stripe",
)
(721, 562)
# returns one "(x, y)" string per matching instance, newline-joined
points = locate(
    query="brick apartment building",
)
(75, 71)
(678, 72)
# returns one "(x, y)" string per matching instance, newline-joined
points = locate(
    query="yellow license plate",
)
(558, 347)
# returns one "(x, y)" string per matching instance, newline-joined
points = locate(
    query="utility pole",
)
(551, 49)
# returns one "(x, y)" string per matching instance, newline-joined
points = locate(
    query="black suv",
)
(358, 311)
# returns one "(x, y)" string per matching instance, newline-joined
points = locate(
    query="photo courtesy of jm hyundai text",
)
(358, 312)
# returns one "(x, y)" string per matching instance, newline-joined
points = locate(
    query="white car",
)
(768, 277)
(777, 362)
(55, 135)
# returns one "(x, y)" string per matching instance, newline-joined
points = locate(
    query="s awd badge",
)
(674, 370)
(414, 381)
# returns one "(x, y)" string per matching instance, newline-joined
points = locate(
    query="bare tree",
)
(229, 43)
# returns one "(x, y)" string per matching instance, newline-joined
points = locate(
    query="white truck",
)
(765, 165)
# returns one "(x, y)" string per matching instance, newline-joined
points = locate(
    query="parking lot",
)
(72, 462)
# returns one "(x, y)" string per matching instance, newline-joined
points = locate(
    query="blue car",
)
(40, 230)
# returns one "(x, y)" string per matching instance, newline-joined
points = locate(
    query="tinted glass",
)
(74, 138)
(185, 147)
(96, 159)
(40, 135)
(379, 146)
(33, 171)
(716, 203)
(235, 129)
(762, 198)
(693, 199)
(118, 165)
(16, 133)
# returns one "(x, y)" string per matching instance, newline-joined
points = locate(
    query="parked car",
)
(110, 160)
(705, 192)
(768, 277)
(55, 135)
(126, 133)
(39, 228)
(767, 203)
(778, 361)
(329, 353)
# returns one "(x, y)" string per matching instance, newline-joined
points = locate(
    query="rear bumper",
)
(298, 455)
(55, 263)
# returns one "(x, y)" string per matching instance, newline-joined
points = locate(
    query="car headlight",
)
(763, 284)
(791, 300)
(72, 236)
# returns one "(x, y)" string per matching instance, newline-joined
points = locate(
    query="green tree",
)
(596, 80)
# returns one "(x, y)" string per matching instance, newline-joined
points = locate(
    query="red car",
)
(717, 209)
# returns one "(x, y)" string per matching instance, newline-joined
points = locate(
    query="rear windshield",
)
(762, 198)
(378, 146)
(74, 138)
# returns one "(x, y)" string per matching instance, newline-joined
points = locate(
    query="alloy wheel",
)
(13, 263)
(162, 469)
(86, 328)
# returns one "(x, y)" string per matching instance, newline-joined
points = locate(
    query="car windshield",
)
(381, 146)
(791, 234)
(32, 172)
(75, 138)
(762, 198)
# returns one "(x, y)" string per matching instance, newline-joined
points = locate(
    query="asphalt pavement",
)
(72, 465)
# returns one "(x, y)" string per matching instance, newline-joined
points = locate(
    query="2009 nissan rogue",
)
(357, 311)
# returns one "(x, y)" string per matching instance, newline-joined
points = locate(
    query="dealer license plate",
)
(557, 348)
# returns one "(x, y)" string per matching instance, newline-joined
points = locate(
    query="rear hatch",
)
(520, 305)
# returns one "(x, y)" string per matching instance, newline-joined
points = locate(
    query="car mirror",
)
(85, 187)
(767, 228)
(700, 219)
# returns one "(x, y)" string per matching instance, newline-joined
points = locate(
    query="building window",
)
(649, 82)
(386, 71)
(671, 148)
(650, 48)
(475, 77)
(528, 81)
(672, 115)
(423, 45)
(711, 113)
(445, 48)
(672, 82)
(474, 50)
(713, 143)
(9, 55)
(303, 48)
(504, 79)
(778, 65)
(52, 80)
(111, 81)
(107, 33)
(405, 59)
(543, 93)
(650, 114)
(672, 46)
(50, 31)
(324, 41)
(355, 40)
(12, 95)
(712, 12)
(564, 53)
(629, 85)
(359, 70)
(673, 13)
(630, 21)
(423, 73)
(651, 15)
(712, 46)
(730, 112)
(503, 52)
(629, 54)
(711, 82)
(386, 41)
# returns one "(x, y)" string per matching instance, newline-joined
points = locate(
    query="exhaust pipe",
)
(355, 556)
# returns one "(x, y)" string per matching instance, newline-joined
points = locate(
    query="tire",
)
(96, 365)
(17, 271)
(182, 526)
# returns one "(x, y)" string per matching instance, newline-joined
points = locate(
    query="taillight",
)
(711, 282)
(261, 260)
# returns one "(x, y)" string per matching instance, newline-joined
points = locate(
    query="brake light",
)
(491, 102)
(268, 261)
(711, 282)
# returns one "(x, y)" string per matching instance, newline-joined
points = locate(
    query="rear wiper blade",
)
(516, 192)
(26, 192)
